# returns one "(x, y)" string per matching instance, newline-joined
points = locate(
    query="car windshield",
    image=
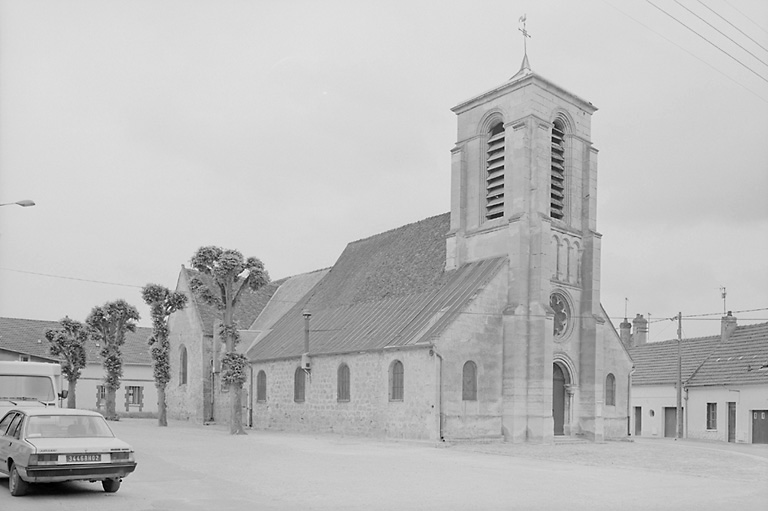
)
(67, 426)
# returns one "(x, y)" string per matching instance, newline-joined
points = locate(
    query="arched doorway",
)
(558, 398)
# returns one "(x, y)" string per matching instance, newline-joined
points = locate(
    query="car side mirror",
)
(63, 394)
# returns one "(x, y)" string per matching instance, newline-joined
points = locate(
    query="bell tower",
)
(524, 186)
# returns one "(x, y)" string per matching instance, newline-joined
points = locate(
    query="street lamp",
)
(23, 203)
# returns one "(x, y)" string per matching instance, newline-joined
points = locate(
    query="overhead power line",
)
(710, 42)
(749, 18)
(71, 278)
(734, 26)
(722, 33)
(670, 41)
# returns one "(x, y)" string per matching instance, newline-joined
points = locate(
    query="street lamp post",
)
(23, 203)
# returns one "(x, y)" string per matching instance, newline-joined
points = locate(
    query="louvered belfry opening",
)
(557, 181)
(494, 198)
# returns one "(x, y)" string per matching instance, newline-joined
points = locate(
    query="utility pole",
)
(679, 376)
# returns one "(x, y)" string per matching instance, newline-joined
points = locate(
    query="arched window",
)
(261, 387)
(494, 179)
(396, 374)
(469, 382)
(299, 380)
(342, 383)
(557, 181)
(182, 365)
(610, 390)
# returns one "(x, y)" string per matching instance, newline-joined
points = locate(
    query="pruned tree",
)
(68, 343)
(108, 324)
(231, 274)
(162, 303)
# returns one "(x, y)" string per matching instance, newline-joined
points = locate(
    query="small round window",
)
(651, 413)
(562, 312)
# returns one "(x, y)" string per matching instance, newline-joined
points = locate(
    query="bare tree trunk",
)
(110, 406)
(236, 418)
(162, 414)
(71, 400)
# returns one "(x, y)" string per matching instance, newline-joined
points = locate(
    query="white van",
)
(29, 384)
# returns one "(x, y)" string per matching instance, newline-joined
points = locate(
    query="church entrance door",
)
(558, 398)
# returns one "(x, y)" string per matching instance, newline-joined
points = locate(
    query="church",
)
(484, 323)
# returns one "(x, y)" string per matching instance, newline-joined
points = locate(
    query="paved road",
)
(196, 468)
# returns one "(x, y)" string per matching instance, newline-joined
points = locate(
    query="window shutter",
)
(494, 198)
(557, 181)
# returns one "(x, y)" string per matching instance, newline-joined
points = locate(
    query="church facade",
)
(482, 323)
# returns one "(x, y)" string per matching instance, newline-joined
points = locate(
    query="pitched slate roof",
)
(387, 290)
(705, 360)
(736, 361)
(22, 336)
(249, 306)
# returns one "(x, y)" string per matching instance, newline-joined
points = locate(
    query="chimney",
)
(727, 326)
(640, 336)
(625, 333)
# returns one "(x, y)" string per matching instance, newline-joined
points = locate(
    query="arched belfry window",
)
(494, 179)
(557, 175)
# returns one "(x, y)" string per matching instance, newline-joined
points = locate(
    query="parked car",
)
(49, 445)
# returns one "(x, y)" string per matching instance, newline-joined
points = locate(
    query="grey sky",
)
(286, 129)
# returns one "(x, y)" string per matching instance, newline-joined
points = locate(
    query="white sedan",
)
(49, 445)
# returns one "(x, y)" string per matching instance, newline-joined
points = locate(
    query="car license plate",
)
(82, 458)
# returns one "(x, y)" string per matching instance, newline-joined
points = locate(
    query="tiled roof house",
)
(725, 385)
(24, 339)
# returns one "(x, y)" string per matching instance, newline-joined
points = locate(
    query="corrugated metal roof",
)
(22, 335)
(370, 325)
(389, 289)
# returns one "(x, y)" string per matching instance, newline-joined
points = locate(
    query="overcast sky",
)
(287, 129)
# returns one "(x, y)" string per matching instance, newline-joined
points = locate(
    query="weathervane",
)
(526, 35)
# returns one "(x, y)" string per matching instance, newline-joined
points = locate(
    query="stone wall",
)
(369, 410)
(475, 335)
(186, 401)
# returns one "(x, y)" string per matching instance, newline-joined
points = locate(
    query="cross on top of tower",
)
(526, 35)
(525, 67)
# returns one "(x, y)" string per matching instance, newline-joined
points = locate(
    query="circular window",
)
(651, 413)
(562, 314)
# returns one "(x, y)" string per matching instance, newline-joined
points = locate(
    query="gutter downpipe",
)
(629, 401)
(439, 400)
(250, 396)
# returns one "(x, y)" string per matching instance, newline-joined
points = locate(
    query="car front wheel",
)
(111, 485)
(16, 484)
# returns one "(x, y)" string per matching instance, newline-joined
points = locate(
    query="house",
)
(481, 323)
(724, 378)
(24, 339)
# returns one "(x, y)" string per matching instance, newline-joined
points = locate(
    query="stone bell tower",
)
(523, 185)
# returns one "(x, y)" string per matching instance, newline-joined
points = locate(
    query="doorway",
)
(670, 422)
(638, 420)
(731, 421)
(558, 399)
(760, 426)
